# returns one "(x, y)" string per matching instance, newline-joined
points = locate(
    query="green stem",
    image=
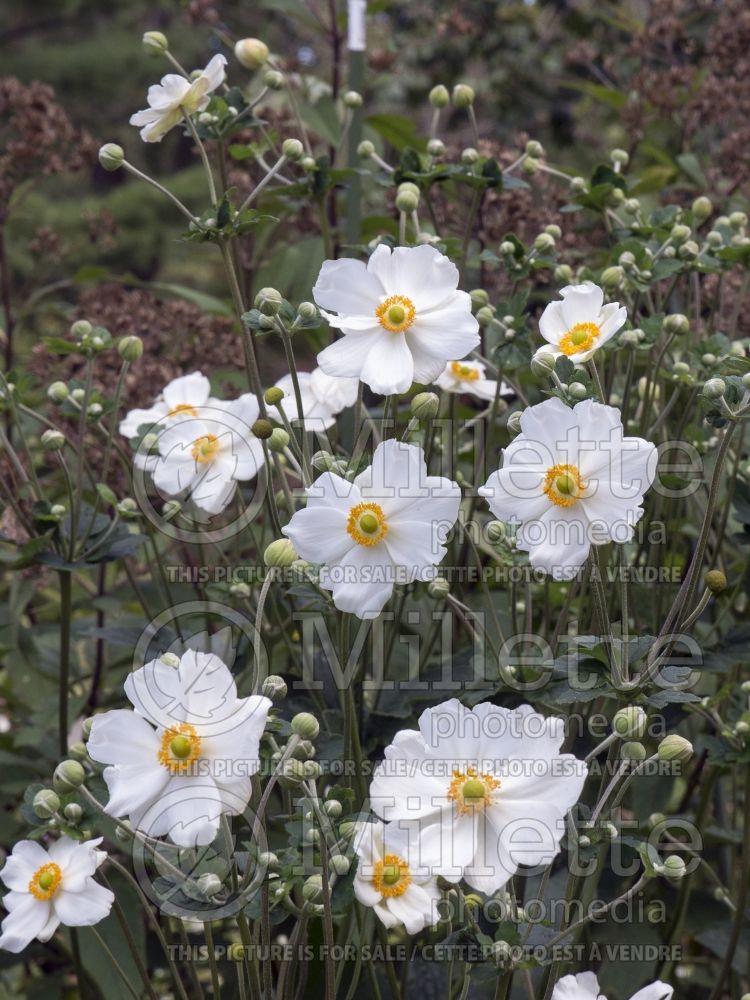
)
(66, 610)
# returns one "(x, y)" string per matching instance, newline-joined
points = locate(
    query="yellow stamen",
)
(186, 408)
(46, 881)
(180, 748)
(391, 876)
(205, 448)
(581, 337)
(471, 791)
(396, 313)
(367, 524)
(465, 372)
(563, 485)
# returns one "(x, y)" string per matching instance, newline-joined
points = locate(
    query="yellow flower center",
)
(186, 408)
(205, 448)
(367, 524)
(180, 748)
(581, 337)
(471, 791)
(391, 876)
(396, 313)
(465, 372)
(563, 485)
(46, 881)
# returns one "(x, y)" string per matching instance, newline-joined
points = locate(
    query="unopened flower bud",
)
(714, 239)
(274, 395)
(578, 185)
(251, 53)
(674, 747)
(81, 328)
(632, 206)
(628, 338)
(439, 96)
(715, 581)
(339, 864)
(312, 888)
(78, 751)
(53, 440)
(738, 220)
(267, 859)
(278, 441)
(279, 554)
(496, 531)
(130, 348)
(563, 274)
(438, 588)
(619, 156)
(577, 390)
(675, 323)
(155, 43)
(407, 201)
(542, 363)
(209, 884)
(689, 250)
(365, 149)
(534, 148)
(436, 147)
(352, 99)
(305, 725)
(68, 776)
(240, 589)
(680, 233)
(485, 315)
(673, 868)
(268, 301)
(544, 242)
(111, 156)
(463, 95)
(58, 392)
(714, 388)
(469, 156)
(612, 277)
(273, 79)
(530, 166)
(633, 751)
(73, 813)
(630, 722)
(292, 149)
(514, 422)
(46, 803)
(702, 207)
(333, 808)
(425, 405)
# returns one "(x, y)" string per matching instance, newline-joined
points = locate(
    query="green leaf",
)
(398, 131)
(689, 164)
(208, 303)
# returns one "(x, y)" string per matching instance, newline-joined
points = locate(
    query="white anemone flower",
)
(401, 314)
(585, 986)
(386, 527)
(580, 324)
(182, 397)
(469, 377)
(175, 97)
(488, 788)
(389, 879)
(204, 457)
(570, 480)
(323, 397)
(187, 754)
(51, 887)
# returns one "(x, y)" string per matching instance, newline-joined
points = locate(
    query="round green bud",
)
(68, 776)
(305, 725)
(673, 868)
(347, 830)
(439, 96)
(578, 185)
(86, 727)
(407, 201)
(365, 149)
(554, 231)
(155, 43)
(485, 315)
(267, 859)
(58, 392)
(46, 803)
(496, 531)
(333, 808)
(680, 368)
(632, 206)
(53, 440)
(73, 813)
(702, 207)
(542, 363)
(530, 166)
(715, 581)
(353, 99)
(714, 239)
(279, 554)
(111, 156)
(279, 440)
(209, 884)
(251, 53)
(274, 395)
(436, 147)
(584, 841)
(469, 156)
(58, 510)
(674, 747)
(95, 409)
(680, 233)
(610, 831)
(425, 405)
(544, 242)
(534, 148)
(675, 323)
(479, 298)
(708, 360)
(268, 301)
(619, 156)
(714, 388)
(689, 250)
(312, 888)
(507, 249)
(292, 149)
(629, 338)
(577, 391)
(339, 864)
(130, 348)
(563, 274)
(439, 588)
(312, 770)
(463, 95)
(633, 751)
(240, 589)
(312, 836)
(80, 329)
(513, 422)
(738, 220)
(262, 429)
(307, 311)
(630, 722)
(78, 751)
(612, 277)
(273, 79)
